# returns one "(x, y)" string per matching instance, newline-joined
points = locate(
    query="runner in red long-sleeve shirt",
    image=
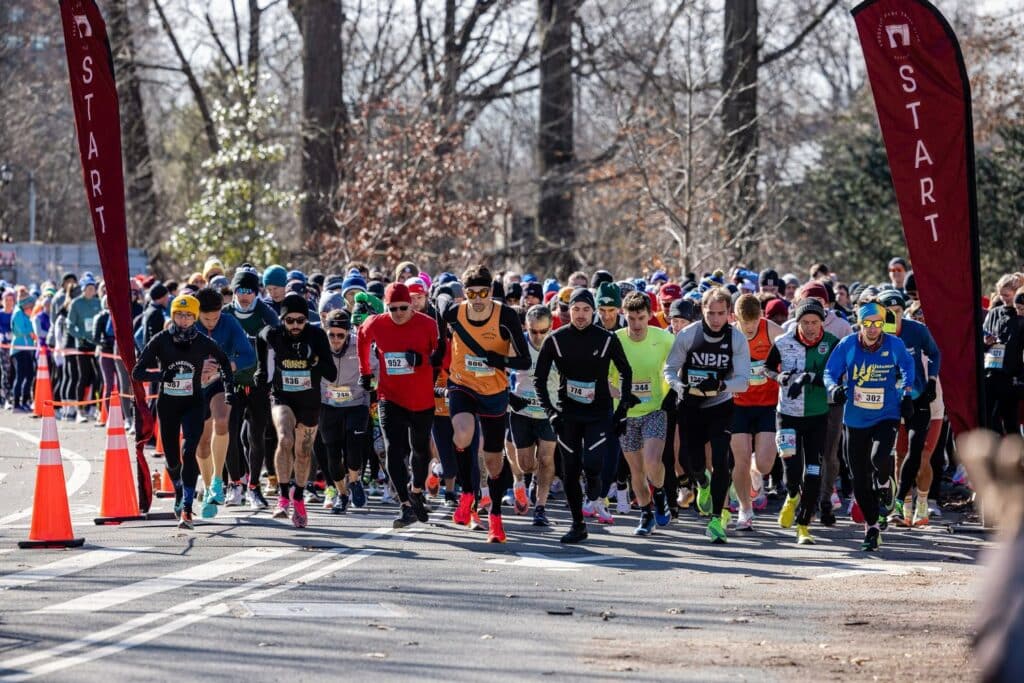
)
(406, 344)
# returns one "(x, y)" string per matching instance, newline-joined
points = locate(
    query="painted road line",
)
(538, 561)
(80, 471)
(102, 600)
(55, 655)
(893, 569)
(322, 610)
(63, 567)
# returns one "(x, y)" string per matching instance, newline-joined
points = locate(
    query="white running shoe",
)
(745, 521)
(387, 497)
(622, 501)
(233, 496)
(588, 509)
(934, 511)
(836, 501)
(601, 512)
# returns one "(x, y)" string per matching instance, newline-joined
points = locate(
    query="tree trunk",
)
(324, 118)
(739, 112)
(140, 193)
(555, 146)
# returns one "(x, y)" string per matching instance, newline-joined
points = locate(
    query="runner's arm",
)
(143, 372)
(738, 378)
(618, 356)
(508, 324)
(540, 376)
(322, 348)
(676, 359)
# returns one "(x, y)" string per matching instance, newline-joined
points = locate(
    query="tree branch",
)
(796, 42)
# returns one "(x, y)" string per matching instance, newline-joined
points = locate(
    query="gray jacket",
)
(738, 377)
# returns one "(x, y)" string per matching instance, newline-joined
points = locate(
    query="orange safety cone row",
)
(159, 450)
(119, 502)
(51, 517)
(43, 389)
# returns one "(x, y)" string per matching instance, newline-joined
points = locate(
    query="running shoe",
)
(340, 505)
(588, 509)
(450, 499)
(522, 500)
(684, 498)
(646, 526)
(715, 531)
(81, 419)
(185, 522)
(485, 499)
(803, 535)
(887, 496)
(271, 489)
(419, 506)
(704, 500)
(433, 483)
(921, 513)
(622, 505)
(836, 501)
(233, 496)
(387, 497)
(601, 512)
(358, 493)
(662, 515)
(734, 501)
(495, 531)
(216, 493)
(462, 513)
(756, 482)
(208, 510)
(540, 517)
(474, 521)
(256, 499)
(934, 509)
(299, 513)
(577, 534)
(177, 509)
(745, 522)
(508, 498)
(556, 486)
(760, 501)
(311, 494)
(330, 497)
(788, 512)
(406, 517)
(960, 476)
(281, 511)
(872, 539)
(896, 516)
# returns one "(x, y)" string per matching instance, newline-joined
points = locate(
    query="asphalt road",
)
(245, 597)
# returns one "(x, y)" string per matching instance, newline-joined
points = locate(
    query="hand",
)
(930, 391)
(907, 408)
(837, 395)
(496, 360)
(629, 400)
(794, 390)
(783, 378)
(708, 385)
(804, 378)
(366, 382)
(231, 398)
(413, 358)
(517, 402)
(168, 375)
(210, 371)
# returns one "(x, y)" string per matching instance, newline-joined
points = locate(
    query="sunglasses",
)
(244, 290)
(337, 335)
(288, 320)
(538, 332)
(873, 323)
(478, 293)
(397, 309)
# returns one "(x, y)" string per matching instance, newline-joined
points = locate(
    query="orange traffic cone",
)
(44, 389)
(166, 489)
(159, 450)
(104, 412)
(51, 518)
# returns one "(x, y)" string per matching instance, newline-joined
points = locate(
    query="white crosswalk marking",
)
(63, 567)
(95, 602)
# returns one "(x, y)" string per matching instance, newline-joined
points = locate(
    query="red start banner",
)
(98, 125)
(923, 99)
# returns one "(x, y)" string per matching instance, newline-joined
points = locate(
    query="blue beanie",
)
(551, 285)
(640, 284)
(353, 281)
(275, 276)
(529, 277)
(445, 277)
(659, 276)
(297, 275)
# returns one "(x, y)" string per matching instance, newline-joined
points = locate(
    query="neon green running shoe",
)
(716, 531)
(704, 500)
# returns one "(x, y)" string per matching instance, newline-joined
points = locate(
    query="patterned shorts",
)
(638, 429)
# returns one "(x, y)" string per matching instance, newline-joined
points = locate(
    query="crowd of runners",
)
(481, 393)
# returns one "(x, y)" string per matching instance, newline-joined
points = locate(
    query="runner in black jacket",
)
(583, 352)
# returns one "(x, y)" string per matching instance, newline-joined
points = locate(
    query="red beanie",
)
(396, 293)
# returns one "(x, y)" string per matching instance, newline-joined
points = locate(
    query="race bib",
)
(869, 399)
(396, 363)
(181, 386)
(534, 409)
(581, 392)
(478, 366)
(994, 357)
(296, 380)
(757, 373)
(642, 390)
(337, 395)
(695, 377)
(785, 441)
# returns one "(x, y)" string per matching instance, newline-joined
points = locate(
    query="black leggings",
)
(88, 375)
(406, 431)
(343, 432)
(803, 468)
(869, 456)
(24, 375)
(583, 446)
(1001, 404)
(698, 427)
(256, 413)
(668, 459)
(917, 431)
(183, 416)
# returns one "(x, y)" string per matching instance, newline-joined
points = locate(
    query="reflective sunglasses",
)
(244, 290)
(289, 320)
(873, 323)
(478, 294)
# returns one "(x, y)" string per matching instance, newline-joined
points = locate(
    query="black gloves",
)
(413, 358)
(783, 378)
(168, 375)
(794, 390)
(929, 393)
(366, 382)
(496, 360)
(708, 385)
(671, 399)
(517, 402)
(907, 408)
(837, 395)
(796, 384)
